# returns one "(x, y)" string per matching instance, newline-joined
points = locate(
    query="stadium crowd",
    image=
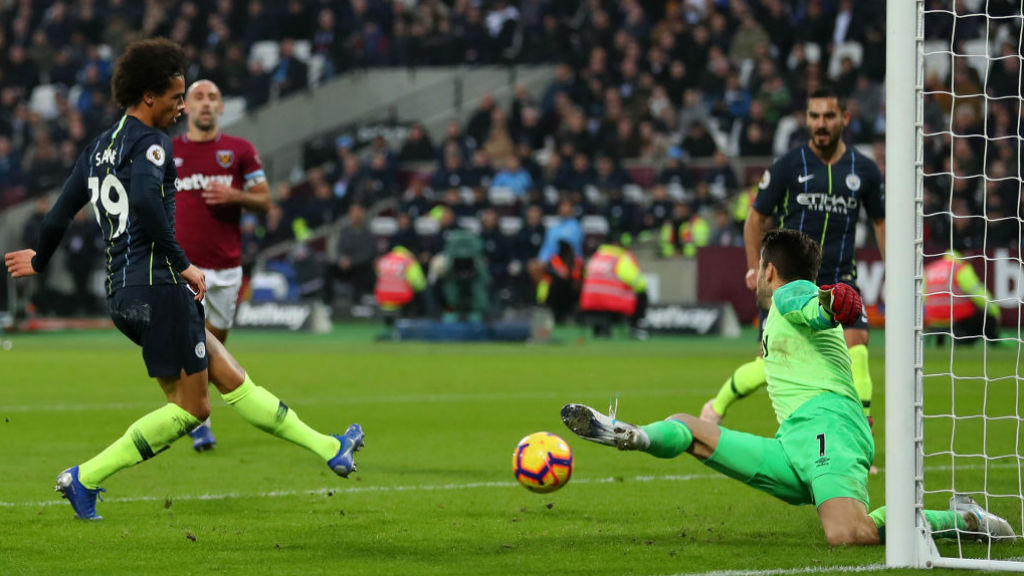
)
(653, 107)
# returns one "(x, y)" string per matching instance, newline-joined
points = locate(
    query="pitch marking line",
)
(780, 571)
(366, 489)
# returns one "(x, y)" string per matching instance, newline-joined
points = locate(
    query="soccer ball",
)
(542, 462)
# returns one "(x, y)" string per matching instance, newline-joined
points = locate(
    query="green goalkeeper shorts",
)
(822, 451)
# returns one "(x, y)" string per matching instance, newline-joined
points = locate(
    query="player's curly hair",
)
(795, 255)
(146, 66)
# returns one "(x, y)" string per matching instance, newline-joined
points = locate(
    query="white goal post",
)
(990, 469)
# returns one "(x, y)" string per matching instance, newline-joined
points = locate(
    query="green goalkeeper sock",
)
(262, 409)
(145, 438)
(669, 438)
(862, 375)
(745, 380)
(943, 523)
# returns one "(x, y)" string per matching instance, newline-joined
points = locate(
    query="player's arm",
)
(874, 204)
(804, 303)
(145, 201)
(753, 230)
(255, 199)
(880, 235)
(256, 194)
(770, 192)
(73, 196)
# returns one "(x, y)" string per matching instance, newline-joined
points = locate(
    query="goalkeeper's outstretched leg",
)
(836, 484)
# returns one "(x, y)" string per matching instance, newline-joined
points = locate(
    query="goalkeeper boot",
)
(981, 524)
(343, 462)
(82, 499)
(590, 424)
(202, 437)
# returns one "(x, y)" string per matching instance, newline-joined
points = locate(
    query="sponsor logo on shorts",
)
(822, 462)
(201, 350)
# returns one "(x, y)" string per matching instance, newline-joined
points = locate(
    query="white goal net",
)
(959, 430)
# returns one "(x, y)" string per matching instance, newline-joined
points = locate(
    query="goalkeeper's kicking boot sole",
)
(590, 424)
(202, 438)
(981, 524)
(344, 462)
(82, 499)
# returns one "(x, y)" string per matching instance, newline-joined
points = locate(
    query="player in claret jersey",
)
(218, 176)
(128, 177)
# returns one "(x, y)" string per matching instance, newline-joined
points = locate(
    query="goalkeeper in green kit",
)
(823, 448)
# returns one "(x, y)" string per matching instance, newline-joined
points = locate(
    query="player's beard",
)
(204, 125)
(829, 146)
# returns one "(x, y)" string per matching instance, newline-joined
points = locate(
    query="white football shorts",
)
(222, 296)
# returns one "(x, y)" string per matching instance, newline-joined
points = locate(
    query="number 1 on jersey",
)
(112, 196)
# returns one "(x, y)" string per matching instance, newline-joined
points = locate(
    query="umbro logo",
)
(804, 178)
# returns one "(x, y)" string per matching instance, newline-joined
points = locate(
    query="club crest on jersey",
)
(225, 158)
(766, 179)
(201, 350)
(853, 182)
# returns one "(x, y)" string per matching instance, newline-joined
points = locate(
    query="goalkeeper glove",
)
(841, 302)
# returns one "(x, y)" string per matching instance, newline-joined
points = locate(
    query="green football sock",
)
(862, 375)
(145, 438)
(669, 438)
(745, 380)
(943, 523)
(262, 409)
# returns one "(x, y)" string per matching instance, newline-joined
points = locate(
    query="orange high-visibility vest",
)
(603, 291)
(393, 289)
(941, 287)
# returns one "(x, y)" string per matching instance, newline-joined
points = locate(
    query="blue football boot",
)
(202, 437)
(343, 463)
(82, 499)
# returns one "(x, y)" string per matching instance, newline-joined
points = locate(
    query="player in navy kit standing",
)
(218, 176)
(817, 189)
(127, 176)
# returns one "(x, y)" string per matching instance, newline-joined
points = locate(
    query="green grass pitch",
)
(434, 493)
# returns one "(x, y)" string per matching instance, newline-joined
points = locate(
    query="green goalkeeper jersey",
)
(804, 350)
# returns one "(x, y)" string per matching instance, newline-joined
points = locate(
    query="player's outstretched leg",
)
(663, 439)
(261, 408)
(145, 438)
(202, 437)
(590, 424)
(980, 524)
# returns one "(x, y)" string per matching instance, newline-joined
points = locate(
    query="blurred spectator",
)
(291, 74)
(417, 199)
(417, 146)
(698, 142)
(684, 233)
(513, 177)
(83, 245)
(354, 264)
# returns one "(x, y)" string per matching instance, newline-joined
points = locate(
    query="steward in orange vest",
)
(955, 297)
(613, 283)
(399, 279)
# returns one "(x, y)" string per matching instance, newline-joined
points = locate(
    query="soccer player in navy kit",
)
(153, 291)
(817, 189)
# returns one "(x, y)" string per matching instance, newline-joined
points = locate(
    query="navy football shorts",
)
(167, 323)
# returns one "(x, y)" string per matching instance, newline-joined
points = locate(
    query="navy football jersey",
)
(127, 176)
(824, 201)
